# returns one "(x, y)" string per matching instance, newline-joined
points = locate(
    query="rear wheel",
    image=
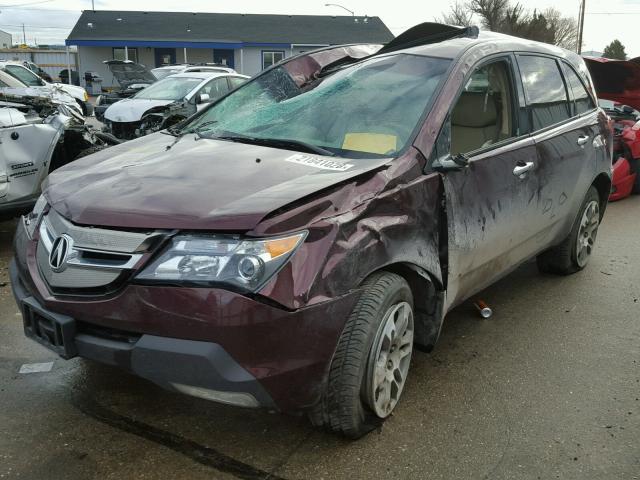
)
(574, 252)
(371, 363)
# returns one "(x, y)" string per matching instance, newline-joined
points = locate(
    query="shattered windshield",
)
(171, 88)
(368, 109)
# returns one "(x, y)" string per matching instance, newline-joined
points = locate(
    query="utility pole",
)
(24, 36)
(581, 26)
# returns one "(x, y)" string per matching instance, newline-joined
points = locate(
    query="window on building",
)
(118, 54)
(544, 90)
(271, 57)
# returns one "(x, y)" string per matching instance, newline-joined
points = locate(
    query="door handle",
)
(522, 168)
(582, 140)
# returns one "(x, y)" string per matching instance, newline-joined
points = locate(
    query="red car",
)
(617, 82)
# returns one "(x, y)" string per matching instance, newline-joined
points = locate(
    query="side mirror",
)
(451, 163)
(202, 98)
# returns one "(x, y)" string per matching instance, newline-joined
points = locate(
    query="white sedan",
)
(167, 102)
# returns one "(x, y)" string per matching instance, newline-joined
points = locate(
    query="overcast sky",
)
(49, 21)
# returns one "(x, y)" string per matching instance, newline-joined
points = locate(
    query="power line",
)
(14, 5)
(36, 26)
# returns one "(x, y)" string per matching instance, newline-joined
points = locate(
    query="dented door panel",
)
(566, 172)
(490, 215)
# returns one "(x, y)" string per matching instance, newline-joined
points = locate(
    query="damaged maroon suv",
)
(289, 246)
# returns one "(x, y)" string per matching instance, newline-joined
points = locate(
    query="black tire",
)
(635, 164)
(343, 407)
(83, 107)
(563, 258)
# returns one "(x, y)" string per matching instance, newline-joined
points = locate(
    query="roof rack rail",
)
(426, 33)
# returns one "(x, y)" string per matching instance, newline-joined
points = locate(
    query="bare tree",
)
(491, 12)
(459, 14)
(565, 29)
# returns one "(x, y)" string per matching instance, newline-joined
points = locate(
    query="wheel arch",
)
(602, 183)
(428, 299)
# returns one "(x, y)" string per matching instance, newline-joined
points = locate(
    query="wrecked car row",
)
(288, 246)
(38, 134)
(149, 101)
(617, 83)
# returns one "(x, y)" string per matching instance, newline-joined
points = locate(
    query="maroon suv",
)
(288, 246)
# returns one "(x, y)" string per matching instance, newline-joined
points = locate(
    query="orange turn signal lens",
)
(282, 246)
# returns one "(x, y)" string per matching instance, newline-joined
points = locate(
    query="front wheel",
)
(371, 363)
(573, 254)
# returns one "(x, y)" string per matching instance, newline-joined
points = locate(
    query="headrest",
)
(475, 110)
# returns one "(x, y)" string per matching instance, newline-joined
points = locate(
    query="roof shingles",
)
(228, 28)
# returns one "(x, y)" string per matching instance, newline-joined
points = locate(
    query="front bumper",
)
(198, 340)
(201, 369)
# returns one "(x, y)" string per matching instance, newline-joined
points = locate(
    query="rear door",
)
(490, 203)
(564, 124)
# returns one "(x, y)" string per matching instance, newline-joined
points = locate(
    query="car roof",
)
(205, 75)
(467, 38)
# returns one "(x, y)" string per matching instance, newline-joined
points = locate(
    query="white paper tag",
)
(317, 162)
(36, 367)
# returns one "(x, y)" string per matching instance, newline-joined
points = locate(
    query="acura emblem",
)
(60, 251)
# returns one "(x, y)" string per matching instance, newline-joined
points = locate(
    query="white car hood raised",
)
(132, 109)
(73, 90)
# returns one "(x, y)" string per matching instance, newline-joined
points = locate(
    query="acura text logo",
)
(60, 251)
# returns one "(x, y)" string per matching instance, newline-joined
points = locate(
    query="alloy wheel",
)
(587, 232)
(390, 358)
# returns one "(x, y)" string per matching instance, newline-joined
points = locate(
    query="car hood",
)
(195, 184)
(132, 109)
(616, 80)
(72, 90)
(130, 73)
(44, 92)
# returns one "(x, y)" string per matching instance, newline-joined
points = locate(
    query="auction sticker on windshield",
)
(317, 162)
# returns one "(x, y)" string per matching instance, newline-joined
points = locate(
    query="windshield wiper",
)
(284, 143)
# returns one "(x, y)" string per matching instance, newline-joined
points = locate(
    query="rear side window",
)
(544, 90)
(581, 100)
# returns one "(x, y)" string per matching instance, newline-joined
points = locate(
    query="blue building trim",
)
(171, 44)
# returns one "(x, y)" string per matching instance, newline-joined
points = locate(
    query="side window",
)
(23, 74)
(236, 82)
(581, 100)
(215, 88)
(544, 90)
(483, 114)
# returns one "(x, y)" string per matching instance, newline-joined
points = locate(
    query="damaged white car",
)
(168, 102)
(38, 135)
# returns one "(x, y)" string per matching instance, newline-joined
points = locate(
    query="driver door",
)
(489, 202)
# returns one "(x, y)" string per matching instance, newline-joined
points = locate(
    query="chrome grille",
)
(97, 257)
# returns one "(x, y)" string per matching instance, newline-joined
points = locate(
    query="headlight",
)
(98, 100)
(86, 96)
(32, 220)
(204, 259)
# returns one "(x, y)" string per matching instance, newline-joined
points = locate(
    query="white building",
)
(5, 39)
(247, 43)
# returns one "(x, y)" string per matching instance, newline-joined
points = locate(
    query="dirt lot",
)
(547, 388)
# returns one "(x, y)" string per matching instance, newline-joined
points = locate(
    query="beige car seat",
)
(474, 122)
